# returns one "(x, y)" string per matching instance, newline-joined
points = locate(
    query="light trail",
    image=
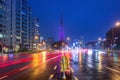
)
(12, 72)
(113, 70)
(3, 77)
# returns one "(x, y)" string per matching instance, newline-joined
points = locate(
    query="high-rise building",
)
(4, 30)
(37, 29)
(20, 24)
(113, 38)
(31, 29)
(17, 27)
(81, 41)
(36, 36)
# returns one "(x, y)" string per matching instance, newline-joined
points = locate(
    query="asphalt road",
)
(85, 65)
(96, 65)
(39, 66)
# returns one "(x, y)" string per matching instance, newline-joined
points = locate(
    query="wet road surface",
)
(96, 65)
(85, 65)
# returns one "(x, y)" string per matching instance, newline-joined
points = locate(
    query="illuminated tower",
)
(61, 32)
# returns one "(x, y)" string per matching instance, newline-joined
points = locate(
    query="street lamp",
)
(44, 45)
(99, 39)
(40, 44)
(36, 38)
(68, 38)
(117, 24)
(44, 42)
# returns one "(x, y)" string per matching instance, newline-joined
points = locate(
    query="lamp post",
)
(36, 38)
(68, 39)
(44, 45)
(117, 24)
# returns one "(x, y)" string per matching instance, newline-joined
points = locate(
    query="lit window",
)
(37, 25)
(0, 6)
(10, 35)
(23, 13)
(17, 37)
(1, 36)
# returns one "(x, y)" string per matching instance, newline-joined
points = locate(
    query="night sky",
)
(88, 18)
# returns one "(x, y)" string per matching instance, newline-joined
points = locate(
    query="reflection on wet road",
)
(34, 67)
(85, 65)
(96, 65)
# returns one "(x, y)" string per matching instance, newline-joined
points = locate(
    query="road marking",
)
(76, 78)
(55, 67)
(51, 76)
(72, 70)
(23, 68)
(113, 70)
(90, 66)
(3, 77)
(26, 67)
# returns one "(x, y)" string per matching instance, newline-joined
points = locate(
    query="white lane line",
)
(55, 67)
(113, 70)
(90, 66)
(72, 70)
(51, 76)
(23, 68)
(76, 78)
(3, 77)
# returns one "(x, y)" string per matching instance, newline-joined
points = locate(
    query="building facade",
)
(4, 28)
(113, 38)
(20, 24)
(17, 26)
(36, 35)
